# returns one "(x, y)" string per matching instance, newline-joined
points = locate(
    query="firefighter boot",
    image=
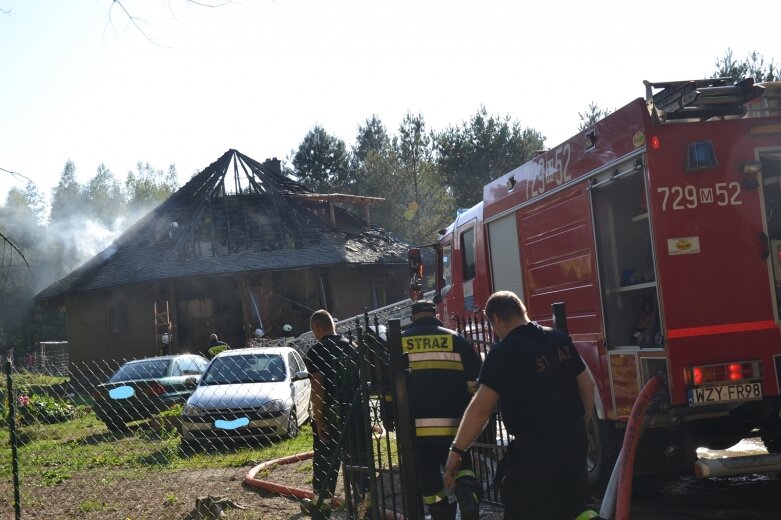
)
(468, 494)
(443, 510)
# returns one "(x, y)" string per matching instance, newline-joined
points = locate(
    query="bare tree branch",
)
(226, 2)
(134, 20)
(17, 175)
(15, 248)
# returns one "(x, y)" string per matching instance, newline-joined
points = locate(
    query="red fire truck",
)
(659, 227)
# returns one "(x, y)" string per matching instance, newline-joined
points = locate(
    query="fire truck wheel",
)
(772, 444)
(602, 453)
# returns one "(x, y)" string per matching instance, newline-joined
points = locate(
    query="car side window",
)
(292, 364)
(177, 369)
(202, 364)
(189, 368)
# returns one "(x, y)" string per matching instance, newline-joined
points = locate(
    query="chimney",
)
(274, 165)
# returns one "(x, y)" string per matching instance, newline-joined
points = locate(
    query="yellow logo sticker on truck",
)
(683, 245)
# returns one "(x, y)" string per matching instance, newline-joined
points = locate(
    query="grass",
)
(23, 378)
(52, 453)
(92, 506)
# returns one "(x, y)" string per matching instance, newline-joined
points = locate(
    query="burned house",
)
(238, 247)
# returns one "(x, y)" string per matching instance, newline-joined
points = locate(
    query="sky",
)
(78, 81)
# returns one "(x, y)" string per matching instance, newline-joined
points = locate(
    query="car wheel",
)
(292, 424)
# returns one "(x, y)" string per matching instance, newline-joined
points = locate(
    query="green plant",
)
(44, 409)
(170, 499)
(22, 379)
(174, 411)
(52, 477)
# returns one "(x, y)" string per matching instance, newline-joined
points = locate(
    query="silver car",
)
(247, 394)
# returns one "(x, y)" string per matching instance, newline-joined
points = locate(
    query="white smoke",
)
(80, 238)
(71, 242)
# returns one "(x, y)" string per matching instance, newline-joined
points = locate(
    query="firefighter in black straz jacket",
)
(443, 373)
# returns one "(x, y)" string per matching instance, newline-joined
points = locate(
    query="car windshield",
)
(152, 369)
(246, 368)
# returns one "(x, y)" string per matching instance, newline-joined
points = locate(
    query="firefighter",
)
(545, 394)
(216, 346)
(287, 333)
(443, 373)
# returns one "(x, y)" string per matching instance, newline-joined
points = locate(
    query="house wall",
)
(351, 289)
(111, 324)
(118, 323)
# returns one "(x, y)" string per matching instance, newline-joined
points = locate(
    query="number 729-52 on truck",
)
(659, 227)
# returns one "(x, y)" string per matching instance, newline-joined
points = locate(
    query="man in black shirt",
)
(546, 397)
(332, 364)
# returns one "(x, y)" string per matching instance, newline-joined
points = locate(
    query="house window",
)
(199, 308)
(117, 321)
(468, 253)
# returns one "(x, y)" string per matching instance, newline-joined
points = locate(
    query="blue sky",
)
(79, 82)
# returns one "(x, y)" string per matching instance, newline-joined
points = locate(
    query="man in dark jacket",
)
(443, 372)
(546, 396)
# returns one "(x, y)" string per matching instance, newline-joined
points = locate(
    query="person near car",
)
(332, 365)
(443, 372)
(545, 396)
(287, 333)
(216, 346)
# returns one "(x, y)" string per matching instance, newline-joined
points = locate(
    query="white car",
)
(246, 394)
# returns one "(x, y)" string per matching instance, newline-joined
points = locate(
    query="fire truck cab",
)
(659, 227)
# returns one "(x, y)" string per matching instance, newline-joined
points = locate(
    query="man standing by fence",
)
(333, 367)
(443, 373)
(546, 396)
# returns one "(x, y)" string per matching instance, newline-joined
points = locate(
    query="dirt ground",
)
(169, 495)
(127, 495)
(102, 495)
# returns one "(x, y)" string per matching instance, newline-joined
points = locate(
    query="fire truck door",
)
(771, 189)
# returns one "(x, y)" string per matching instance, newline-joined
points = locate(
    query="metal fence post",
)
(14, 440)
(404, 430)
(366, 431)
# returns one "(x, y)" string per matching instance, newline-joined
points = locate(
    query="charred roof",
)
(237, 215)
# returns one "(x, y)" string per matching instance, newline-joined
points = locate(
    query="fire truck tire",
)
(602, 453)
(772, 444)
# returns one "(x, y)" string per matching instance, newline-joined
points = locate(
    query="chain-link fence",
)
(182, 437)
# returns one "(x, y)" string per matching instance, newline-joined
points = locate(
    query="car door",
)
(301, 388)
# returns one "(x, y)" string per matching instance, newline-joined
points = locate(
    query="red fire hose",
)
(250, 480)
(631, 438)
(274, 487)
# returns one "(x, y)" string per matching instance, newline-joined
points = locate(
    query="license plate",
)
(725, 393)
